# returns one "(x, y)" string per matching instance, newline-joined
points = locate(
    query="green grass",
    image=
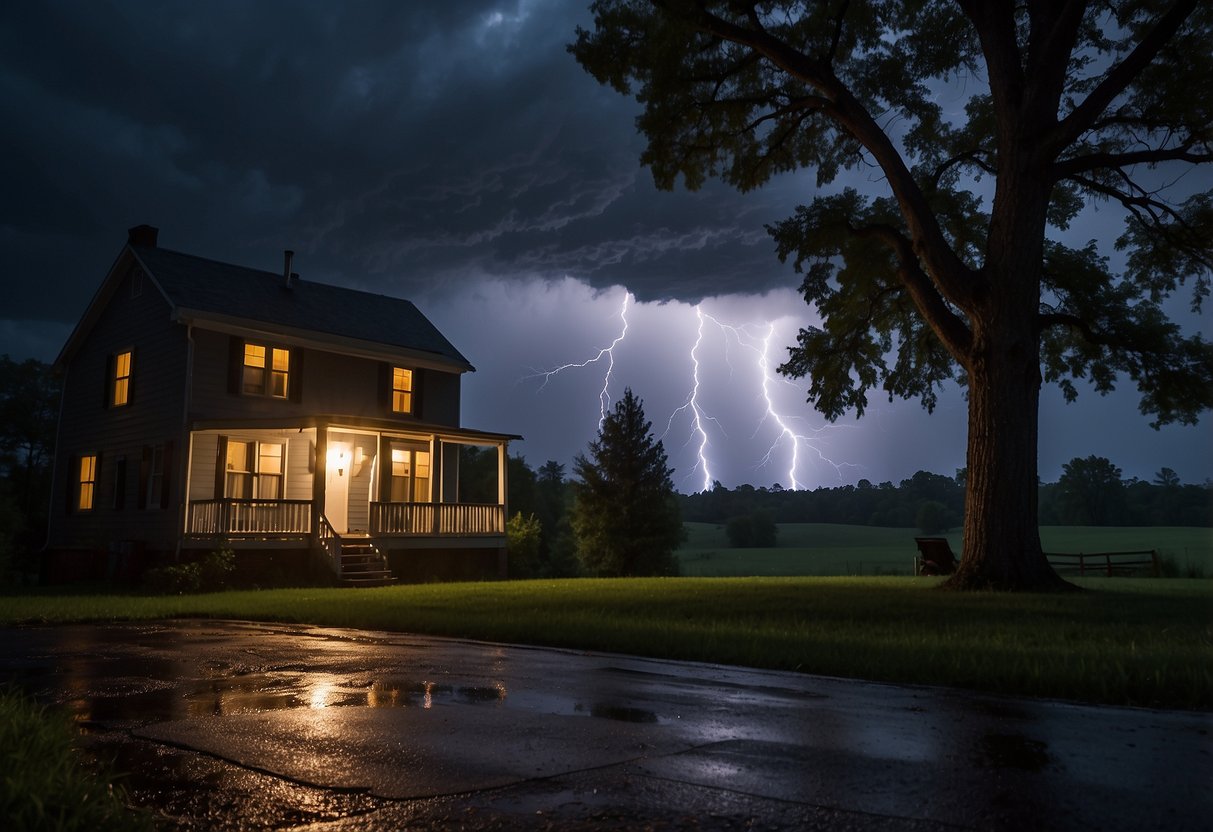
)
(1132, 642)
(830, 549)
(43, 784)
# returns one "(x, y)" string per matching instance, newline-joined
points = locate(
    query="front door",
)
(337, 486)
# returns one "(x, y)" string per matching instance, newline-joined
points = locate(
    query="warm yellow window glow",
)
(269, 471)
(88, 481)
(254, 470)
(122, 379)
(278, 377)
(254, 369)
(239, 471)
(402, 390)
(410, 476)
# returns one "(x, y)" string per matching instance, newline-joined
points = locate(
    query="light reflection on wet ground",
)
(280, 725)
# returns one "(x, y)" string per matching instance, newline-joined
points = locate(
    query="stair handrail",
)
(330, 542)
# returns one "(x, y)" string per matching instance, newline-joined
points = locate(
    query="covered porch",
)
(308, 483)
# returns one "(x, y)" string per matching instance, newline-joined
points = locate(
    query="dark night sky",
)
(455, 154)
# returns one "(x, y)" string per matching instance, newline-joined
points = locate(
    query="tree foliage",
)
(625, 513)
(1090, 492)
(958, 269)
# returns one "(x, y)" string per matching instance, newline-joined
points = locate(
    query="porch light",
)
(339, 458)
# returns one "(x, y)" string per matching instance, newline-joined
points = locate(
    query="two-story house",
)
(306, 426)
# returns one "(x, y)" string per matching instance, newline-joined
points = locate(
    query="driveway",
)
(237, 725)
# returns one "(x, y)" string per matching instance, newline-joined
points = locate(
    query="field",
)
(814, 549)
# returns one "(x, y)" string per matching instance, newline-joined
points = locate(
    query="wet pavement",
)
(236, 725)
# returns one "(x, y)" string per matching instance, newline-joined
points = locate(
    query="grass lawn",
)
(44, 784)
(1142, 642)
(830, 549)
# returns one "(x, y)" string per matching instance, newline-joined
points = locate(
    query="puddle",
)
(1015, 751)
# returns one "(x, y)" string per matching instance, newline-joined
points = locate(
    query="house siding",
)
(153, 417)
(298, 485)
(332, 384)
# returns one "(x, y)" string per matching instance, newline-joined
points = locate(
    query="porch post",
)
(437, 473)
(503, 474)
(318, 475)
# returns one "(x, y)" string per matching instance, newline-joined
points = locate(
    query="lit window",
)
(402, 390)
(87, 482)
(121, 394)
(254, 369)
(253, 470)
(278, 377)
(269, 471)
(410, 475)
(238, 482)
(266, 370)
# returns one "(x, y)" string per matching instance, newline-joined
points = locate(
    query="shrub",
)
(216, 570)
(934, 517)
(211, 574)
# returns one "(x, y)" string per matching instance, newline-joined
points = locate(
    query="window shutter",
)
(235, 365)
(107, 382)
(145, 472)
(73, 481)
(97, 482)
(294, 381)
(419, 378)
(166, 478)
(120, 483)
(130, 381)
(385, 387)
(220, 469)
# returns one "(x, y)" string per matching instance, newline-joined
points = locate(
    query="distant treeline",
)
(1090, 492)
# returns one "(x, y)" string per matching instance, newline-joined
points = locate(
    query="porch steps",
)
(362, 564)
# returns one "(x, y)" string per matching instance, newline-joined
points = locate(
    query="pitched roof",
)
(209, 288)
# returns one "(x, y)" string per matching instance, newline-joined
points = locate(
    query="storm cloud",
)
(455, 154)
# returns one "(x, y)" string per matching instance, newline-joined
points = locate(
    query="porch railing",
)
(437, 518)
(330, 542)
(250, 517)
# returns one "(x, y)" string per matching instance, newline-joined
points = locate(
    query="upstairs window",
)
(86, 482)
(266, 370)
(120, 389)
(402, 390)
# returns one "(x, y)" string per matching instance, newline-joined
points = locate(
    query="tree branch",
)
(950, 328)
(950, 273)
(1069, 168)
(1119, 77)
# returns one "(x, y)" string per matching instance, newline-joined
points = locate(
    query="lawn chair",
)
(934, 557)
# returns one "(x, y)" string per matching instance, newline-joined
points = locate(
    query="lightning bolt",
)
(698, 416)
(604, 397)
(746, 338)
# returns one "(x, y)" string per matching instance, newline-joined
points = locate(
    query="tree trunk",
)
(1001, 536)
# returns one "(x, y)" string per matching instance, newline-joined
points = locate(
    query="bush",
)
(211, 574)
(756, 529)
(934, 517)
(522, 539)
(216, 570)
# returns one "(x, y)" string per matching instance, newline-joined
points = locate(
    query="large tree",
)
(955, 268)
(625, 514)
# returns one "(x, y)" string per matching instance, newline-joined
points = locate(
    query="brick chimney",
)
(142, 235)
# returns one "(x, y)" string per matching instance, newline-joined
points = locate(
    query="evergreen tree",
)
(625, 514)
